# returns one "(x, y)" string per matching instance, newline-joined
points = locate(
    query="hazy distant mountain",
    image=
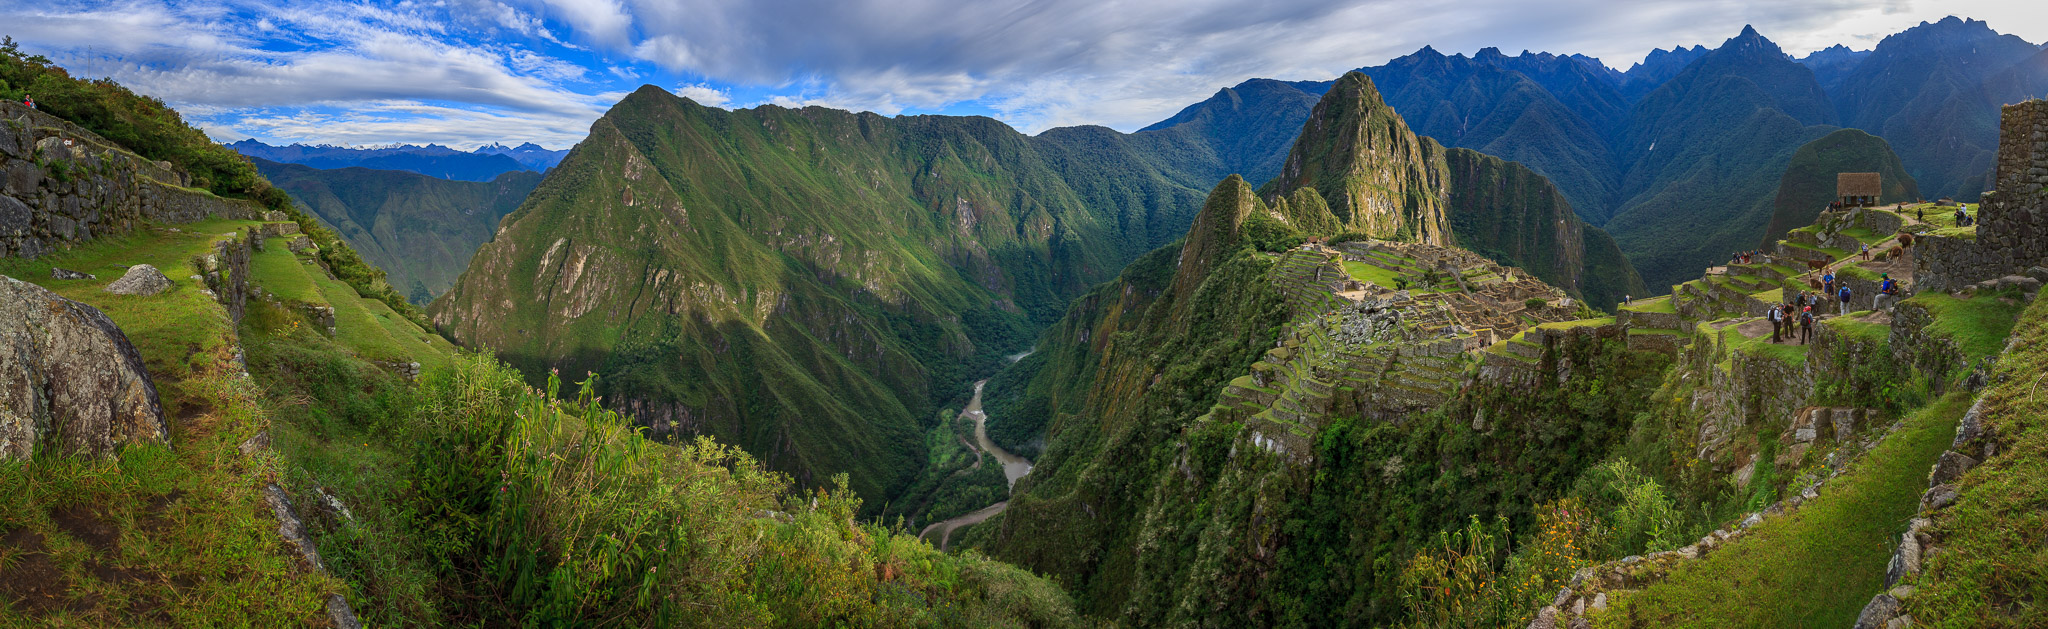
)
(1705, 152)
(533, 156)
(1924, 90)
(432, 160)
(1657, 68)
(1830, 65)
(1242, 130)
(1489, 103)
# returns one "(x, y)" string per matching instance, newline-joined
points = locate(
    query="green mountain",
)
(421, 230)
(806, 283)
(1808, 185)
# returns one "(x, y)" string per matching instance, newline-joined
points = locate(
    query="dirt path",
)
(1014, 467)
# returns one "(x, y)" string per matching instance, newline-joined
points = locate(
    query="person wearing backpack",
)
(1845, 298)
(1806, 325)
(1887, 290)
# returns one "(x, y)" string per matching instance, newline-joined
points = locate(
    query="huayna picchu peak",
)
(824, 314)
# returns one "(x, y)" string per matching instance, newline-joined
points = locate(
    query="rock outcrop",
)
(69, 379)
(141, 279)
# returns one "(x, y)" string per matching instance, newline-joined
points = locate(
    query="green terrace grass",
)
(1857, 271)
(1966, 233)
(375, 332)
(1787, 350)
(178, 331)
(1978, 325)
(1653, 331)
(1368, 273)
(1865, 236)
(1993, 569)
(281, 272)
(1659, 305)
(1816, 567)
(1578, 323)
(1859, 330)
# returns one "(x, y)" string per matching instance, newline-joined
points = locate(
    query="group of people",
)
(1748, 257)
(28, 101)
(1962, 216)
(1792, 318)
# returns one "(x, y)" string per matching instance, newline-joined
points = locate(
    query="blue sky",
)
(469, 72)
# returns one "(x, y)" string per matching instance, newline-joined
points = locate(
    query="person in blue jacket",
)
(1845, 298)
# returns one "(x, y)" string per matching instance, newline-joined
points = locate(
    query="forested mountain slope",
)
(421, 230)
(805, 283)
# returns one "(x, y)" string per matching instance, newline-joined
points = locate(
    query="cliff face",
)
(1379, 178)
(65, 185)
(1506, 212)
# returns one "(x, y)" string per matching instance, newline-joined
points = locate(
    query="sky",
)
(470, 72)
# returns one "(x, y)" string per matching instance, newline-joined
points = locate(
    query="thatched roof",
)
(1859, 185)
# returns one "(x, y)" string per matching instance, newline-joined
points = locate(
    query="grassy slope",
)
(1818, 566)
(191, 540)
(1993, 568)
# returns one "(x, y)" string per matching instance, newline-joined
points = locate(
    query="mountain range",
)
(1736, 112)
(433, 160)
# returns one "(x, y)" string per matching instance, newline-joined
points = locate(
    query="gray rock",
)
(1545, 619)
(141, 279)
(1901, 622)
(57, 273)
(1882, 609)
(69, 379)
(1950, 467)
(1905, 562)
(1600, 602)
(1938, 497)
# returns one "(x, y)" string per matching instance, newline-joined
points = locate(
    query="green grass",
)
(1788, 350)
(277, 270)
(1368, 273)
(196, 546)
(1859, 330)
(375, 332)
(1993, 568)
(1978, 325)
(1659, 305)
(1816, 567)
(1966, 233)
(178, 331)
(1578, 323)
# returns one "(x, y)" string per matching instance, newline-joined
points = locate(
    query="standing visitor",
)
(1806, 325)
(1777, 316)
(1827, 283)
(1845, 298)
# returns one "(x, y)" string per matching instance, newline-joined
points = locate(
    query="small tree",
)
(1534, 303)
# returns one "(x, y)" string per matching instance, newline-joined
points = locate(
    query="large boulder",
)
(141, 279)
(69, 379)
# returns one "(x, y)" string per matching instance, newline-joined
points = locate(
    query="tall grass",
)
(539, 511)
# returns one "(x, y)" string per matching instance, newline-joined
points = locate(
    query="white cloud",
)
(705, 95)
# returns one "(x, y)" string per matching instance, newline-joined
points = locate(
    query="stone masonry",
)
(2012, 231)
(61, 184)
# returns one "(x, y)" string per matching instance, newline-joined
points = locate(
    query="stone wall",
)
(226, 271)
(64, 185)
(2012, 227)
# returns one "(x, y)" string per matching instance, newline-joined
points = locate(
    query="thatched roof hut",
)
(1859, 188)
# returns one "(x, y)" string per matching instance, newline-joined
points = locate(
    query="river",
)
(1014, 467)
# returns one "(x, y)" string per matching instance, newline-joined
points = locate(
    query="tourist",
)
(1777, 317)
(1920, 213)
(1827, 283)
(1887, 290)
(30, 101)
(1866, 253)
(1845, 298)
(1806, 325)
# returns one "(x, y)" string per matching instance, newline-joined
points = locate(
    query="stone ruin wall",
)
(2012, 231)
(55, 194)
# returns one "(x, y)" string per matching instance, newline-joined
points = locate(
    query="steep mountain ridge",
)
(1809, 182)
(432, 160)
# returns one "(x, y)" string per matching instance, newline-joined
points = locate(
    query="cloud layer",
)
(467, 72)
